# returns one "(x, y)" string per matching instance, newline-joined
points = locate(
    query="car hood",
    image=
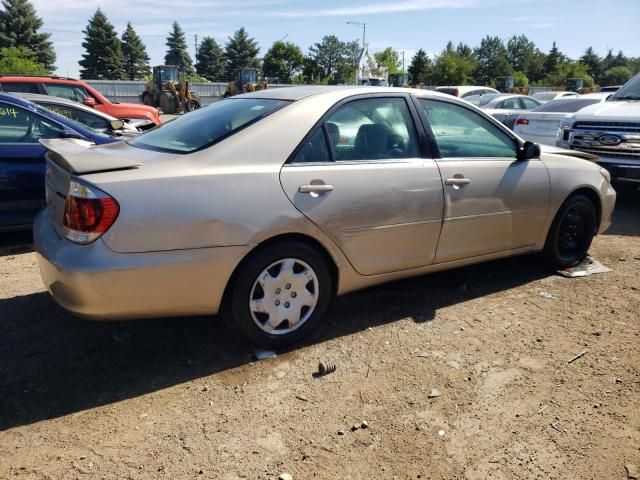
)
(568, 153)
(611, 111)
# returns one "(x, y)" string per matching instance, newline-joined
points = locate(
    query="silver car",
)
(266, 205)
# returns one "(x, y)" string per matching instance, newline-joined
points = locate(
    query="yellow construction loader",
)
(166, 92)
(244, 80)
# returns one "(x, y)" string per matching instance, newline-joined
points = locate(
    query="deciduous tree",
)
(19, 60)
(283, 62)
(20, 27)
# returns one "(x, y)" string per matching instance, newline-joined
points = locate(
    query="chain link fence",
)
(128, 91)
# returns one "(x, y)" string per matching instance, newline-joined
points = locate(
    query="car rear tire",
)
(279, 294)
(571, 232)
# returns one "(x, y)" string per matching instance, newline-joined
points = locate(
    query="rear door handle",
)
(321, 188)
(457, 181)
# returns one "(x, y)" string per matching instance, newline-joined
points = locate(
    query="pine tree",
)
(593, 63)
(554, 59)
(210, 60)
(104, 54)
(177, 54)
(136, 60)
(19, 25)
(241, 51)
(492, 60)
(420, 68)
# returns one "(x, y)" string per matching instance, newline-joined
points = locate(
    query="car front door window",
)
(460, 132)
(373, 129)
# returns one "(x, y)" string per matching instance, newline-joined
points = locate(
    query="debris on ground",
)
(577, 356)
(587, 267)
(632, 471)
(434, 393)
(302, 397)
(325, 368)
(546, 295)
(285, 476)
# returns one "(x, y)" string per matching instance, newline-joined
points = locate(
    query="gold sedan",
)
(266, 205)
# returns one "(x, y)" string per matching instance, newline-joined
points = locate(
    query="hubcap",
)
(572, 230)
(284, 296)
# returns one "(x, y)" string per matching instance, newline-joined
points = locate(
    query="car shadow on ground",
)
(626, 217)
(13, 243)
(53, 364)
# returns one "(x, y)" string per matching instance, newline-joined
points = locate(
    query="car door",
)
(493, 202)
(22, 165)
(360, 177)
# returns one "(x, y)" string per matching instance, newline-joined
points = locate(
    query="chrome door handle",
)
(457, 181)
(321, 188)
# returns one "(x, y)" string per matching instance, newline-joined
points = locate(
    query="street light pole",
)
(364, 29)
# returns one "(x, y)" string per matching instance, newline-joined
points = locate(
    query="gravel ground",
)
(182, 398)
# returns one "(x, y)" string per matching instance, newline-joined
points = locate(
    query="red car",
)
(78, 91)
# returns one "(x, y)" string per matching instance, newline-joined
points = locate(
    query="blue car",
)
(22, 163)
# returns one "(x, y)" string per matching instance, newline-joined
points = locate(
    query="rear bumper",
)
(94, 282)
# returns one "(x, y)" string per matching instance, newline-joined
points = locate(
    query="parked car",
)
(78, 91)
(87, 116)
(265, 205)
(464, 91)
(542, 124)
(507, 107)
(22, 164)
(610, 130)
(612, 88)
(543, 97)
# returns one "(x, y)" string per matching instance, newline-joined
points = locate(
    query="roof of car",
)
(297, 93)
(38, 78)
(8, 97)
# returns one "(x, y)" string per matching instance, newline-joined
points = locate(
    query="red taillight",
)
(88, 213)
(522, 121)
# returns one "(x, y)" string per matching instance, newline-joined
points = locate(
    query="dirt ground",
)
(183, 398)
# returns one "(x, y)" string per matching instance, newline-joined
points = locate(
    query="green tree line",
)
(25, 49)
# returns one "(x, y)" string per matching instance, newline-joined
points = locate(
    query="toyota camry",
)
(265, 206)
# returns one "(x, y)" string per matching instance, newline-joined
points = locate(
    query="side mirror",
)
(116, 124)
(528, 151)
(89, 101)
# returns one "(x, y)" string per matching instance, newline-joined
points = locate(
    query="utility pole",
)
(403, 61)
(196, 42)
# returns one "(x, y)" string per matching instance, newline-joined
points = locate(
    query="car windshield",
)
(207, 126)
(566, 106)
(544, 97)
(629, 91)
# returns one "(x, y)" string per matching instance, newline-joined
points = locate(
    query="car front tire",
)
(571, 232)
(279, 294)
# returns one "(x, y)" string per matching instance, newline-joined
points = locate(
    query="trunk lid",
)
(81, 158)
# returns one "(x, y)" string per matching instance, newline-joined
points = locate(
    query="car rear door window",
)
(529, 104)
(20, 87)
(510, 104)
(373, 129)
(20, 126)
(70, 92)
(462, 133)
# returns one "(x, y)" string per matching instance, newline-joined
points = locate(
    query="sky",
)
(405, 25)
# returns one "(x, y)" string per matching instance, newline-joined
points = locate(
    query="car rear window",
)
(207, 126)
(448, 90)
(567, 106)
(16, 87)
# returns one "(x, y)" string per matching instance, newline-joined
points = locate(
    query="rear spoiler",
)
(82, 158)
